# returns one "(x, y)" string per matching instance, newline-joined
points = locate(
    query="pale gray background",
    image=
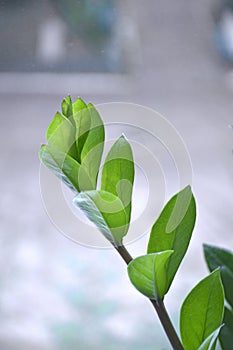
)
(55, 294)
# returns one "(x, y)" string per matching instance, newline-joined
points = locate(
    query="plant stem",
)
(124, 254)
(159, 307)
(167, 324)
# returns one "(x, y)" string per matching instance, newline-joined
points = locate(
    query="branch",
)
(158, 306)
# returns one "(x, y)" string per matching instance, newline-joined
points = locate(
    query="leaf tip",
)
(79, 99)
(78, 105)
(123, 138)
(67, 98)
(41, 150)
(206, 247)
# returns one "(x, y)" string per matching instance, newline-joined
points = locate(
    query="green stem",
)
(159, 307)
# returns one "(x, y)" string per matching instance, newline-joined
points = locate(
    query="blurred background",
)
(175, 57)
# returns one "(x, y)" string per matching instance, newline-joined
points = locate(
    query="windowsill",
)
(60, 83)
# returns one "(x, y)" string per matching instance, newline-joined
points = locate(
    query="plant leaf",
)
(93, 148)
(219, 257)
(106, 211)
(226, 334)
(173, 229)
(75, 145)
(61, 134)
(78, 105)
(202, 311)
(82, 120)
(210, 342)
(62, 165)
(118, 173)
(148, 274)
(67, 108)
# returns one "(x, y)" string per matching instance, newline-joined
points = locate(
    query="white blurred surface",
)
(58, 295)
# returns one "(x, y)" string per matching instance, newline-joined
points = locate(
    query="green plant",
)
(219, 257)
(75, 145)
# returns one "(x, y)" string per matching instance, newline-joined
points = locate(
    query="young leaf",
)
(93, 148)
(226, 334)
(78, 105)
(62, 165)
(67, 108)
(75, 145)
(173, 229)
(218, 257)
(148, 274)
(82, 120)
(202, 311)
(118, 173)
(61, 134)
(210, 342)
(106, 211)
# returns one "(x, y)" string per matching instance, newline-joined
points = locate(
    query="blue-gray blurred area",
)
(58, 36)
(173, 56)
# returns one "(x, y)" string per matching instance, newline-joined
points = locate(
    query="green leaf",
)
(218, 257)
(148, 274)
(226, 334)
(118, 173)
(93, 148)
(75, 145)
(173, 229)
(82, 120)
(78, 105)
(65, 168)
(210, 342)
(202, 311)
(62, 165)
(61, 134)
(67, 108)
(106, 211)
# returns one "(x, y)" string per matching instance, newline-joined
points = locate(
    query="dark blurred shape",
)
(223, 19)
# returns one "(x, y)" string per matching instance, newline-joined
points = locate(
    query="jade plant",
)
(75, 142)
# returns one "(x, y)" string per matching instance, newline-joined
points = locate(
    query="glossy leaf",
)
(148, 274)
(93, 148)
(75, 145)
(210, 342)
(61, 134)
(62, 165)
(219, 257)
(67, 108)
(202, 311)
(118, 173)
(106, 211)
(78, 105)
(173, 229)
(226, 334)
(82, 120)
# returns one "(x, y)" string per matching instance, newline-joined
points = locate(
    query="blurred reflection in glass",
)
(223, 17)
(60, 36)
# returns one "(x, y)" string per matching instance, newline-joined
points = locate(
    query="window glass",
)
(60, 36)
